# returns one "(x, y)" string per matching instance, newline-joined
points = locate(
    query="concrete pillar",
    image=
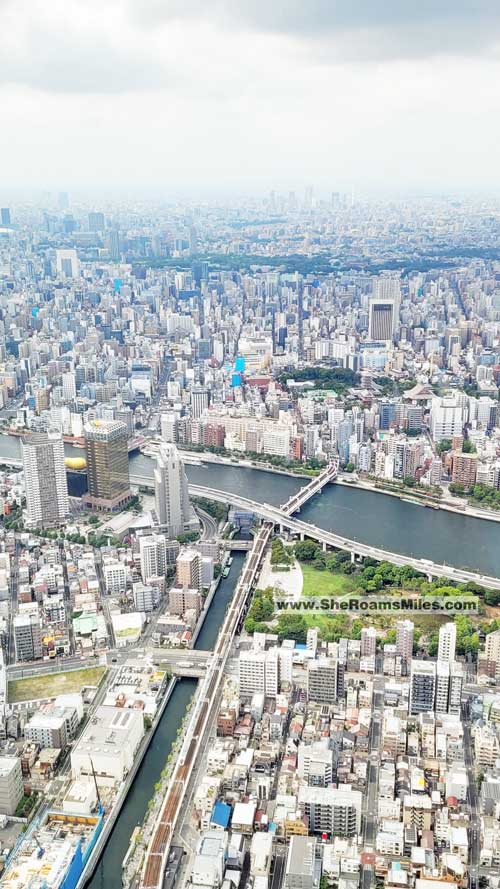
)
(324, 547)
(281, 529)
(430, 578)
(353, 558)
(301, 535)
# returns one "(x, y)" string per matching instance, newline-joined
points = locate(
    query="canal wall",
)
(98, 849)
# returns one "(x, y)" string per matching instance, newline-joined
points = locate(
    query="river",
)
(108, 874)
(367, 516)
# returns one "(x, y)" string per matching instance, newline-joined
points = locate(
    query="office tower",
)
(47, 500)
(368, 642)
(199, 402)
(303, 865)
(67, 264)
(63, 200)
(447, 642)
(96, 222)
(28, 636)
(404, 640)
(422, 687)
(258, 672)
(322, 680)
(5, 216)
(153, 556)
(69, 386)
(334, 811)
(171, 490)
(181, 599)
(381, 320)
(188, 570)
(106, 450)
(447, 418)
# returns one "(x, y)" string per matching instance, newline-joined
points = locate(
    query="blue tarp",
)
(221, 815)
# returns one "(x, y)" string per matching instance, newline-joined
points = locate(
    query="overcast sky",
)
(250, 94)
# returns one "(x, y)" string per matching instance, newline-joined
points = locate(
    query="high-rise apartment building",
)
(258, 672)
(106, 451)
(47, 501)
(28, 636)
(404, 640)
(188, 570)
(334, 811)
(322, 680)
(464, 469)
(368, 642)
(11, 784)
(422, 687)
(447, 642)
(5, 216)
(153, 556)
(171, 491)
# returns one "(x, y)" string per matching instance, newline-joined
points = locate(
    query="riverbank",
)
(461, 508)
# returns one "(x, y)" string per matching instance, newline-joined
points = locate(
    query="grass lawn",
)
(49, 685)
(324, 583)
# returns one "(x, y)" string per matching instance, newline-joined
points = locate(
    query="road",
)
(370, 813)
(472, 796)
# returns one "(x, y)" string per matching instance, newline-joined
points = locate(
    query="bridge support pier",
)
(430, 578)
(324, 547)
(302, 535)
(353, 558)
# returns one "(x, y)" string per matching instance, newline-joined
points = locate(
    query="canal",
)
(371, 518)
(108, 874)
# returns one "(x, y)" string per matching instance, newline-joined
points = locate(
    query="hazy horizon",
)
(247, 96)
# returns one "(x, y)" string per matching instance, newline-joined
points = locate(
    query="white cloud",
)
(91, 96)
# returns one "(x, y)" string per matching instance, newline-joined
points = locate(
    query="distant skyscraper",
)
(47, 500)
(5, 216)
(67, 263)
(69, 385)
(63, 200)
(114, 245)
(447, 642)
(381, 320)
(199, 402)
(107, 464)
(96, 222)
(171, 490)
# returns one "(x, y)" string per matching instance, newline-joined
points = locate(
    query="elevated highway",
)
(277, 516)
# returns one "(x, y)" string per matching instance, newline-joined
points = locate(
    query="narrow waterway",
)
(108, 874)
